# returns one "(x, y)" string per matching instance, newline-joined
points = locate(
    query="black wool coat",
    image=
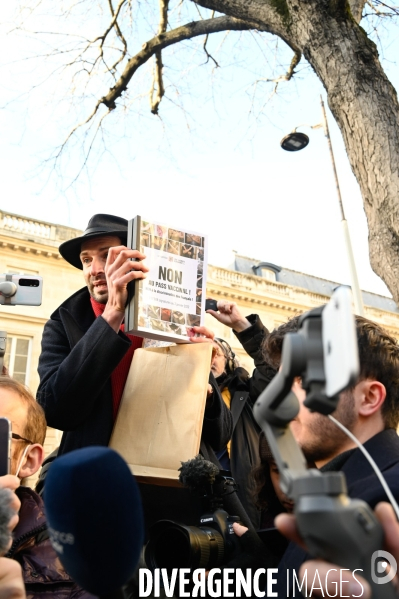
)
(244, 391)
(362, 483)
(79, 354)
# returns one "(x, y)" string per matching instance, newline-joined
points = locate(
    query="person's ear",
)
(32, 461)
(370, 396)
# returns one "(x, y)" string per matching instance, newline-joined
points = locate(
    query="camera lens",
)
(29, 282)
(177, 546)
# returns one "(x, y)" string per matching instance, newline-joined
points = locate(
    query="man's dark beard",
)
(329, 437)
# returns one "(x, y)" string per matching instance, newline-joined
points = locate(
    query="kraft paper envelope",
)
(159, 423)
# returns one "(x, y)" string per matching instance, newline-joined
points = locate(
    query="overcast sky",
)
(216, 167)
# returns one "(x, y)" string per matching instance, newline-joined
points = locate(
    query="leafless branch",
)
(158, 88)
(117, 28)
(120, 35)
(112, 23)
(209, 56)
(78, 126)
(374, 8)
(151, 48)
(356, 7)
(392, 9)
(159, 42)
(87, 154)
(290, 72)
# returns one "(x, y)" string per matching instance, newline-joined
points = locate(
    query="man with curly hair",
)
(369, 409)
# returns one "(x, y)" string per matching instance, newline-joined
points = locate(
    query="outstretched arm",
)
(251, 333)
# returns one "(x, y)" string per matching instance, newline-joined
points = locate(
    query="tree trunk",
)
(361, 98)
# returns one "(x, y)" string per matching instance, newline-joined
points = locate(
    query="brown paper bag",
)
(159, 423)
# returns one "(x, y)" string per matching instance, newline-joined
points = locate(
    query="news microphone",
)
(6, 513)
(203, 477)
(198, 473)
(95, 518)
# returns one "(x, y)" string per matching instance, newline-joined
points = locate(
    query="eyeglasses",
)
(217, 352)
(19, 438)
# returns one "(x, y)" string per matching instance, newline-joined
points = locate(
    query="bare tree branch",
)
(159, 42)
(111, 24)
(209, 56)
(356, 7)
(78, 126)
(120, 35)
(157, 83)
(117, 28)
(392, 9)
(290, 71)
(286, 77)
(374, 8)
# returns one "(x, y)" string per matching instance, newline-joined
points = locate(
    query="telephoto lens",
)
(174, 545)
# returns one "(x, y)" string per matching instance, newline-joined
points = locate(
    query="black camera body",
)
(222, 522)
(213, 542)
(173, 545)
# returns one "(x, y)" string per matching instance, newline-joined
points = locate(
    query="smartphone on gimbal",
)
(20, 290)
(341, 356)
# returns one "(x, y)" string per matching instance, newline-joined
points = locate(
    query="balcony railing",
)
(20, 225)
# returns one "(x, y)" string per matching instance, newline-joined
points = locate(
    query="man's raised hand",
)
(123, 266)
(229, 315)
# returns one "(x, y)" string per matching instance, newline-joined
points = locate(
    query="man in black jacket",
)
(86, 355)
(42, 571)
(370, 410)
(240, 391)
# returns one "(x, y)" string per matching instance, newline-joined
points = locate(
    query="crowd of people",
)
(83, 367)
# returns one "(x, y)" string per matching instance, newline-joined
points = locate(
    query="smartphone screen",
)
(5, 446)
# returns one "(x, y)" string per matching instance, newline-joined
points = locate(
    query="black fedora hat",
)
(100, 225)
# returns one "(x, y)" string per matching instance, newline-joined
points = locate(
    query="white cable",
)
(371, 462)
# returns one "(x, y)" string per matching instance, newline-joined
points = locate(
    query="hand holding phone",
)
(211, 304)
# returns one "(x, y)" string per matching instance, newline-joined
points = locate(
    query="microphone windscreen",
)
(95, 517)
(6, 513)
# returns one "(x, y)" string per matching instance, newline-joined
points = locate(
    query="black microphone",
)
(6, 513)
(95, 518)
(203, 477)
(198, 473)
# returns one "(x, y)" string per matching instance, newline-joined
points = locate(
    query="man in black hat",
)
(81, 365)
(86, 355)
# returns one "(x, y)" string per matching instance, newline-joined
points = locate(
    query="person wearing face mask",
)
(43, 573)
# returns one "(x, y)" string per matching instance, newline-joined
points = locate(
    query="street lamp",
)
(295, 141)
